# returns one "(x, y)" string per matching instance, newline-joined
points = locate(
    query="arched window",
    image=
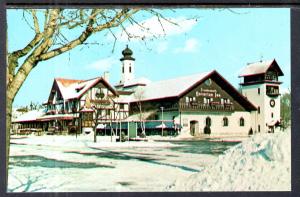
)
(225, 121)
(242, 122)
(208, 121)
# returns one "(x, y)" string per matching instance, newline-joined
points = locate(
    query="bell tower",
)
(261, 87)
(127, 66)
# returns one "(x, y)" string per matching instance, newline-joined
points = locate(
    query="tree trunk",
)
(12, 89)
(8, 127)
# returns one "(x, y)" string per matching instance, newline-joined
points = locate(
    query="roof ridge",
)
(260, 61)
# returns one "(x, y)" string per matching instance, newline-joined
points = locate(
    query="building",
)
(199, 104)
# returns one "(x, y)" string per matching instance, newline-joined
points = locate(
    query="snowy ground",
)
(68, 164)
(261, 163)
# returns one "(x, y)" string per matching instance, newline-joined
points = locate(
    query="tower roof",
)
(127, 53)
(260, 67)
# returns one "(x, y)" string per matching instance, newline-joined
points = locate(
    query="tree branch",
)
(116, 21)
(35, 22)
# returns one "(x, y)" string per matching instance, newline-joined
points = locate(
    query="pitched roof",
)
(71, 88)
(178, 87)
(30, 116)
(74, 88)
(134, 82)
(260, 67)
(168, 88)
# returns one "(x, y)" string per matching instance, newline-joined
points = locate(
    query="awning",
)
(148, 125)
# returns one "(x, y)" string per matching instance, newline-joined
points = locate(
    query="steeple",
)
(127, 67)
(127, 53)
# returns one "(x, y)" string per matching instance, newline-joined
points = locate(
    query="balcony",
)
(273, 91)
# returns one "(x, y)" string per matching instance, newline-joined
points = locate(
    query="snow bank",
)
(260, 163)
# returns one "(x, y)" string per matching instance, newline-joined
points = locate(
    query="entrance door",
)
(194, 127)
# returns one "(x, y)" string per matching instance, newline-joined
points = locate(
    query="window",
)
(258, 110)
(122, 69)
(258, 128)
(272, 115)
(121, 105)
(208, 121)
(206, 100)
(129, 69)
(242, 122)
(258, 90)
(225, 121)
(187, 99)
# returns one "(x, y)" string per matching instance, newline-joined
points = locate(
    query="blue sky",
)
(224, 40)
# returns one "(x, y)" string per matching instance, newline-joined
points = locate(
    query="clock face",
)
(272, 102)
(208, 82)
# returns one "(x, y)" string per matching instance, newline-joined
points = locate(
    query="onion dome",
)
(127, 53)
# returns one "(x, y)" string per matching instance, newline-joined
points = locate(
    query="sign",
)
(208, 93)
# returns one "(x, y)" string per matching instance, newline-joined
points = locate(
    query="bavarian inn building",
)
(198, 104)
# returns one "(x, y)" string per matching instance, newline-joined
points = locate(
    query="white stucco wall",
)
(127, 76)
(217, 127)
(263, 101)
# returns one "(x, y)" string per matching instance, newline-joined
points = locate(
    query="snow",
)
(260, 163)
(70, 164)
(69, 90)
(29, 116)
(117, 167)
(138, 81)
(170, 87)
(85, 141)
(256, 68)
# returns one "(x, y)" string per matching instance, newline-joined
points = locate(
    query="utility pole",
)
(162, 117)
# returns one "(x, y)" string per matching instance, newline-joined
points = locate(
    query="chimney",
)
(106, 76)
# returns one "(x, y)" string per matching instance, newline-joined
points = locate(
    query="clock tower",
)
(261, 87)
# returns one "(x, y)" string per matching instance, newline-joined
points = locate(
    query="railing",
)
(273, 93)
(209, 107)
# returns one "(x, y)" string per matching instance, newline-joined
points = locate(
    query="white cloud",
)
(102, 64)
(162, 46)
(191, 45)
(152, 28)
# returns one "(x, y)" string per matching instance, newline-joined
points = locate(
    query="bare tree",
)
(50, 40)
(139, 96)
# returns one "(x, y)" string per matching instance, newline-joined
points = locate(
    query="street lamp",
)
(162, 117)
